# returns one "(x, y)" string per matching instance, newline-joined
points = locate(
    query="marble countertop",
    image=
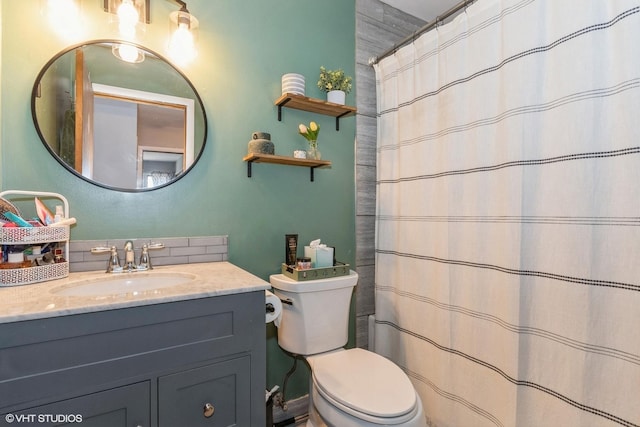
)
(40, 300)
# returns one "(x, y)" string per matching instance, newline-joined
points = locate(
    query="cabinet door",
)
(213, 395)
(127, 406)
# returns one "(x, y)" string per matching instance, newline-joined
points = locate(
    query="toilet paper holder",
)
(270, 308)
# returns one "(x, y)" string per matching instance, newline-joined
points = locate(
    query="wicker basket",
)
(27, 276)
(35, 236)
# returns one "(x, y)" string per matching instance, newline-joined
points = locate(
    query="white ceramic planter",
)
(293, 83)
(336, 96)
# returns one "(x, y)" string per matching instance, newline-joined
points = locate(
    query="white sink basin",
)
(124, 283)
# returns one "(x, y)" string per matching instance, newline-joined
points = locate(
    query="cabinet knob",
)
(208, 410)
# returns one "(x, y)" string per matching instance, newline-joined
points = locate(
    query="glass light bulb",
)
(64, 18)
(182, 43)
(127, 13)
(127, 19)
(181, 46)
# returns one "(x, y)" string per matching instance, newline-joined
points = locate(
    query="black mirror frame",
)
(36, 90)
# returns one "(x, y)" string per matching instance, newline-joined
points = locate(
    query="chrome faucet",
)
(129, 257)
(113, 264)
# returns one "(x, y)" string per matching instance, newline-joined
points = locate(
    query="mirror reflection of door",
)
(123, 124)
(158, 165)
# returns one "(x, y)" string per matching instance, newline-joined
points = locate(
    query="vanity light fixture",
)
(133, 14)
(182, 47)
(127, 19)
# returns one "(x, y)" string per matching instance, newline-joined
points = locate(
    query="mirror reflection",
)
(120, 125)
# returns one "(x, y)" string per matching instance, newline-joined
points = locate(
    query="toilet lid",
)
(364, 382)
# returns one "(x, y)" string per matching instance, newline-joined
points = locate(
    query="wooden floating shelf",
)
(314, 105)
(284, 160)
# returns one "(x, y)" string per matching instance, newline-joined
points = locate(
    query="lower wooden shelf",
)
(284, 160)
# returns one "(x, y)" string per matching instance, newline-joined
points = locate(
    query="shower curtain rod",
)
(455, 9)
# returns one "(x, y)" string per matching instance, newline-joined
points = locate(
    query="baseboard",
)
(295, 408)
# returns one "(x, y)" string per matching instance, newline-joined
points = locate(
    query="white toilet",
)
(348, 388)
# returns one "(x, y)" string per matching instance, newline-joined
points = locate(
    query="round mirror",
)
(119, 116)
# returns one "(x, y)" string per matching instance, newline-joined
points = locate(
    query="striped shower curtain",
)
(508, 214)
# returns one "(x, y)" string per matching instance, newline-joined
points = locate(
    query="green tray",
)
(340, 269)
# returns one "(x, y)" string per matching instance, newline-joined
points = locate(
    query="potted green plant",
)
(336, 83)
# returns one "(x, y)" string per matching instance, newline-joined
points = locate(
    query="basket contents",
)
(34, 248)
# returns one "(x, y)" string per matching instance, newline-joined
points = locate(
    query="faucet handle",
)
(113, 264)
(114, 261)
(100, 249)
(145, 259)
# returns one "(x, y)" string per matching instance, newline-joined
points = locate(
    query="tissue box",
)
(320, 257)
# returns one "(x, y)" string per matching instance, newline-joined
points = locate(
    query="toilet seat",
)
(365, 385)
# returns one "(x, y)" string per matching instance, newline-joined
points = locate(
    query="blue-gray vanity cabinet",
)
(201, 395)
(121, 406)
(187, 354)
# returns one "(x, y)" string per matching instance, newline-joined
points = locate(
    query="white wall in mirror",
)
(127, 120)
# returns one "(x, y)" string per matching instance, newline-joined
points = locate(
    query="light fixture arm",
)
(184, 17)
(183, 5)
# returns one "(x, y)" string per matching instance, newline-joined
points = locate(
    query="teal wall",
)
(244, 48)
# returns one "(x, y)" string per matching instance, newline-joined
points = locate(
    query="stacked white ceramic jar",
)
(293, 83)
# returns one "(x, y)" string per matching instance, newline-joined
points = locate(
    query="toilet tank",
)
(317, 320)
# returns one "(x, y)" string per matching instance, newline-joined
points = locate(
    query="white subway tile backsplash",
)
(177, 250)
